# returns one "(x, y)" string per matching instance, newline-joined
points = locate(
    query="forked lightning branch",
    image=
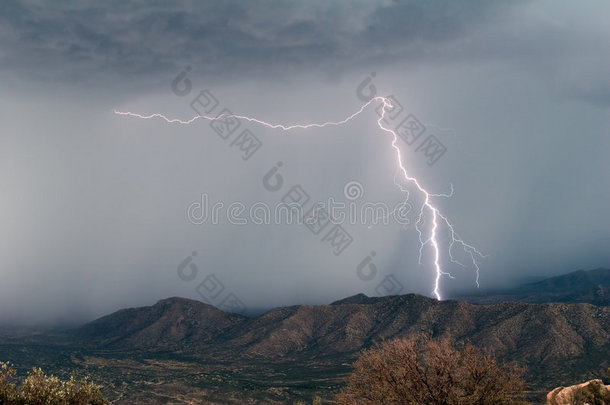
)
(430, 221)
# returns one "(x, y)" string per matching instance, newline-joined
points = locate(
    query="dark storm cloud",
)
(74, 41)
(93, 204)
(71, 39)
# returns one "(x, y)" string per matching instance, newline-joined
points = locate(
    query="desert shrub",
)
(421, 370)
(8, 390)
(316, 401)
(40, 389)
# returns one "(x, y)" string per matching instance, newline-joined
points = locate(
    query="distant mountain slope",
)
(592, 286)
(581, 279)
(561, 339)
(168, 324)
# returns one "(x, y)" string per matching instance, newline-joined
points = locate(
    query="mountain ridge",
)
(581, 286)
(187, 350)
(538, 335)
(353, 323)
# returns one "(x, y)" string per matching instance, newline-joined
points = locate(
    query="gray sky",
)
(94, 205)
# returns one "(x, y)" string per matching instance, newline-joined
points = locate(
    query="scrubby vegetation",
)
(426, 371)
(411, 371)
(316, 401)
(40, 389)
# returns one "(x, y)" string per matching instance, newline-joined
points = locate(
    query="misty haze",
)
(231, 202)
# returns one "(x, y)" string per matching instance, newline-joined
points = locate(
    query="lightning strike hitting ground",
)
(427, 210)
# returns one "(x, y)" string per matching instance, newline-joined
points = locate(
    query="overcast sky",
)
(94, 206)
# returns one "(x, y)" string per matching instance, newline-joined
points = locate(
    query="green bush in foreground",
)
(40, 389)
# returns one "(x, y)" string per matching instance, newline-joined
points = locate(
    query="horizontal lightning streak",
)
(431, 237)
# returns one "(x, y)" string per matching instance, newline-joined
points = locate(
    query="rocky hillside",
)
(167, 325)
(551, 339)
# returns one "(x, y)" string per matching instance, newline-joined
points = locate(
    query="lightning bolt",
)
(427, 210)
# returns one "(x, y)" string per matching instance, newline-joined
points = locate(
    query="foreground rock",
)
(592, 391)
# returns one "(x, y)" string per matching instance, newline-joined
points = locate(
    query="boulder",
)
(566, 395)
